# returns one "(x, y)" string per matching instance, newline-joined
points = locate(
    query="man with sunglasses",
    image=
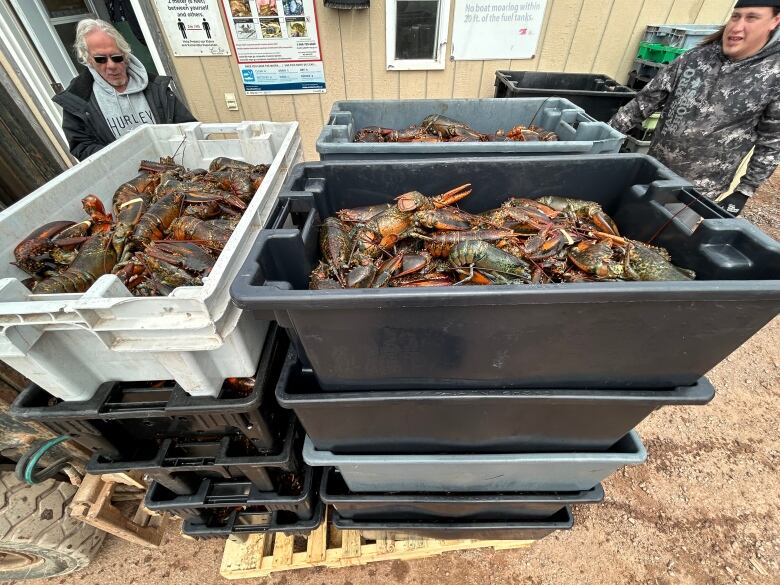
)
(114, 94)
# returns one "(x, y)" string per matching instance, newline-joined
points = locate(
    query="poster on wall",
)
(277, 45)
(496, 29)
(193, 27)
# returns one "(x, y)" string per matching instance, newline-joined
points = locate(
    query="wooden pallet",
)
(260, 555)
(93, 504)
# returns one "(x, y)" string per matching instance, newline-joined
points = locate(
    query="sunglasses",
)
(103, 59)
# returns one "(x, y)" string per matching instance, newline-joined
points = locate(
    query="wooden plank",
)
(617, 35)
(714, 11)
(317, 544)
(350, 544)
(132, 478)
(330, 47)
(356, 53)
(385, 545)
(243, 553)
(653, 12)
(245, 558)
(592, 24)
(412, 84)
(283, 550)
(92, 505)
(560, 33)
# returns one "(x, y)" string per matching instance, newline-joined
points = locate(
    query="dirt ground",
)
(703, 509)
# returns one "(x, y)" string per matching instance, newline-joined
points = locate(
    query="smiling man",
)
(719, 101)
(114, 94)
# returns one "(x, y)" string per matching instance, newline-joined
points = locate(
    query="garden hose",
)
(25, 467)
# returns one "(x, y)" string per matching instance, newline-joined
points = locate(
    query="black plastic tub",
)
(467, 529)
(222, 522)
(297, 498)
(181, 465)
(470, 421)
(579, 335)
(129, 419)
(431, 507)
(599, 95)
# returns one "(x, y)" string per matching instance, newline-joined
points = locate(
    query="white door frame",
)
(22, 57)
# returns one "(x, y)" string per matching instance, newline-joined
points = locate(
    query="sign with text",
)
(496, 29)
(193, 27)
(277, 45)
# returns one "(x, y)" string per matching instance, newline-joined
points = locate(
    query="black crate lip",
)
(343, 495)
(253, 496)
(698, 394)
(562, 520)
(247, 292)
(284, 458)
(172, 401)
(197, 528)
(616, 89)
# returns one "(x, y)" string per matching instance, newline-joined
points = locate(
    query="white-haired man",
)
(114, 94)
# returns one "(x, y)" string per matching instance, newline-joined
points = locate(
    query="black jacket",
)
(84, 124)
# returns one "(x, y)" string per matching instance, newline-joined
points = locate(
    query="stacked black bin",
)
(471, 412)
(599, 95)
(225, 465)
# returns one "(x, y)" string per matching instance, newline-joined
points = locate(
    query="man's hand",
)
(734, 202)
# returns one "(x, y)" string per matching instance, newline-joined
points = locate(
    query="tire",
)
(38, 538)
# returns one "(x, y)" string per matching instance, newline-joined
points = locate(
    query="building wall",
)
(585, 36)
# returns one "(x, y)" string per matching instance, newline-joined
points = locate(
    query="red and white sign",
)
(496, 29)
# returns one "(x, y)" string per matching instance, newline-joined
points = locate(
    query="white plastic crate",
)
(70, 343)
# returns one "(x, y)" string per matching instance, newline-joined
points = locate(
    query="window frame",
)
(393, 64)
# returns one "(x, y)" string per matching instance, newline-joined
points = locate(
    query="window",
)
(417, 33)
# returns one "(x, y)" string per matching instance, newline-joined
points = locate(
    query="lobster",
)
(95, 258)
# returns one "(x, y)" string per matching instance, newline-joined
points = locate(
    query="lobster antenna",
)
(668, 221)
(182, 143)
(539, 110)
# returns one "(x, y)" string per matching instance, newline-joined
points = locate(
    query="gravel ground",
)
(703, 509)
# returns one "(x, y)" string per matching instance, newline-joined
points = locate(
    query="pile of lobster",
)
(421, 241)
(438, 128)
(166, 228)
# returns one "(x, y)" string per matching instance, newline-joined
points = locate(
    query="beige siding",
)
(598, 36)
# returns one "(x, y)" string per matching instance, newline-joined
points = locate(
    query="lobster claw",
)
(413, 263)
(188, 255)
(414, 200)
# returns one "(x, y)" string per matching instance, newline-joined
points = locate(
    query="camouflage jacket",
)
(714, 112)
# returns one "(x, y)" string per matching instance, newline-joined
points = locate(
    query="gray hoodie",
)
(714, 111)
(127, 110)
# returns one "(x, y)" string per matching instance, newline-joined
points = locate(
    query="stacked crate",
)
(149, 383)
(599, 95)
(228, 463)
(459, 412)
(661, 45)
(486, 412)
